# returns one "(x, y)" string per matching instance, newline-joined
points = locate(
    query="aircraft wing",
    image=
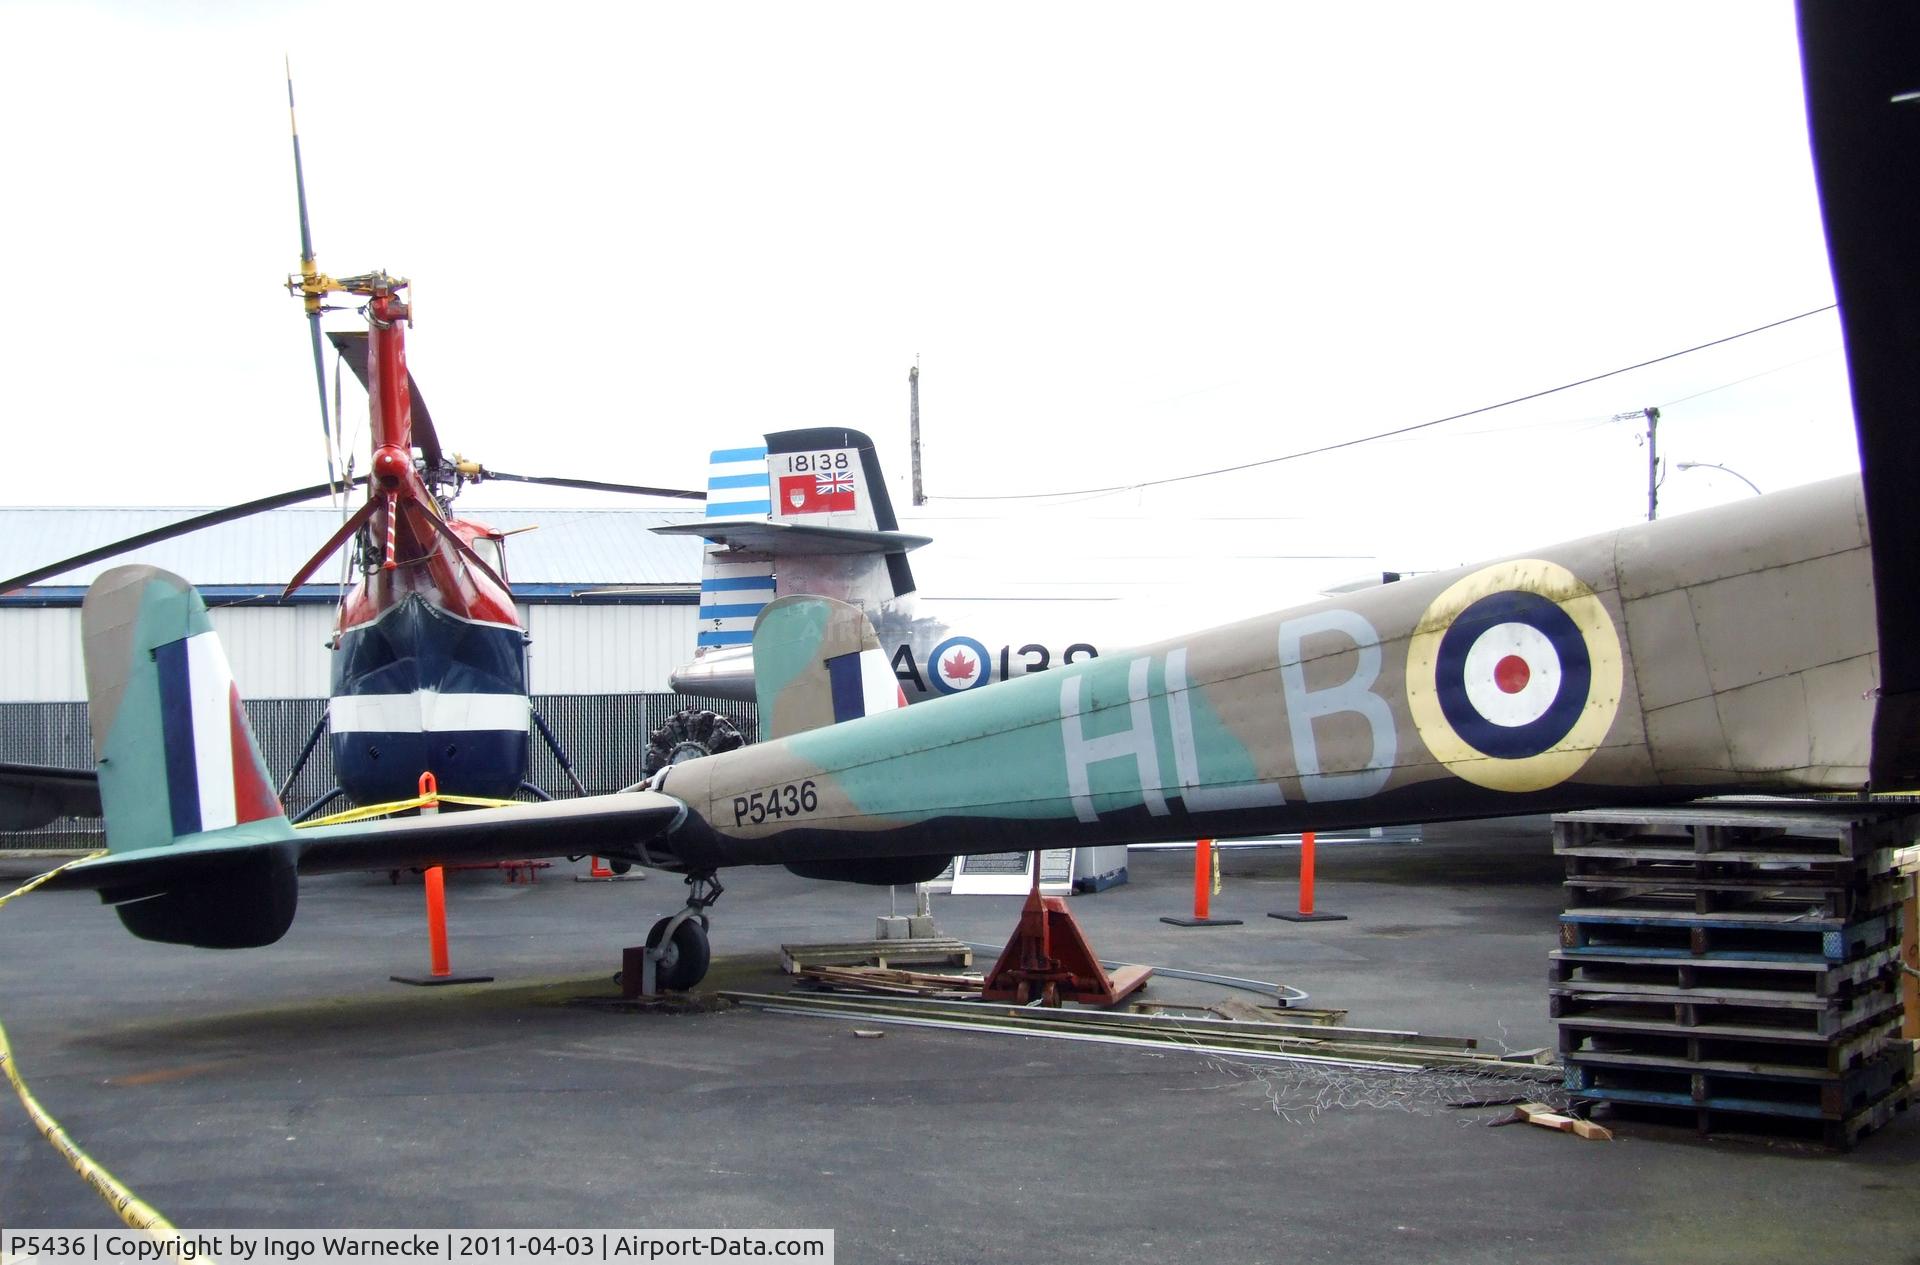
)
(34, 794)
(619, 825)
(762, 536)
(1858, 61)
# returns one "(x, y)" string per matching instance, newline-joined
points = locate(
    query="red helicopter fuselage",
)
(429, 672)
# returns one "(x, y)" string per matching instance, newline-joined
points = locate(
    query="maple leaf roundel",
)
(959, 663)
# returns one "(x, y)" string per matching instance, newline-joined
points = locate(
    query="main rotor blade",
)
(334, 541)
(594, 485)
(352, 346)
(306, 268)
(181, 528)
(299, 177)
(320, 378)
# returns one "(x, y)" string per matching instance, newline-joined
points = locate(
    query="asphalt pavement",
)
(296, 1086)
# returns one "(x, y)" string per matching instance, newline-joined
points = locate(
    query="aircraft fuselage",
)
(1729, 650)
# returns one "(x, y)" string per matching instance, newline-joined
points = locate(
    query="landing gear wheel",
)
(688, 735)
(684, 964)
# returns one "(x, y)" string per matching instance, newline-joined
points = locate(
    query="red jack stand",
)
(1049, 958)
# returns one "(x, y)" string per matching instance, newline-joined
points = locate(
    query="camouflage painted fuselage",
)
(1729, 650)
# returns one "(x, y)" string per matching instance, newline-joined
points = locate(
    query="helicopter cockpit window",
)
(488, 547)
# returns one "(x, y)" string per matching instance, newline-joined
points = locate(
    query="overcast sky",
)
(1125, 242)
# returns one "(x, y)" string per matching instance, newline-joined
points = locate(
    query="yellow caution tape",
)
(130, 1208)
(401, 805)
(134, 1211)
(32, 883)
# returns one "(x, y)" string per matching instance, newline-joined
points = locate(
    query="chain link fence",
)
(605, 735)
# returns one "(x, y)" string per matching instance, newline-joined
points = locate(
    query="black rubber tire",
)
(685, 962)
(688, 735)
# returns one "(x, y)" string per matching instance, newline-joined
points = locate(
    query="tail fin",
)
(816, 662)
(182, 787)
(809, 510)
(827, 479)
(735, 584)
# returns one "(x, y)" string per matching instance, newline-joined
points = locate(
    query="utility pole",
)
(913, 392)
(1653, 462)
(1652, 418)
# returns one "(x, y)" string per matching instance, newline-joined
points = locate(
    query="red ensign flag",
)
(816, 493)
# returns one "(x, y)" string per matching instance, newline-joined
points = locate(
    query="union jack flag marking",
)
(829, 484)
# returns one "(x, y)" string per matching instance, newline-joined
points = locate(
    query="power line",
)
(1752, 377)
(1389, 434)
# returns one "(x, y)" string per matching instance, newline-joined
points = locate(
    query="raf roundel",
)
(1513, 676)
(959, 663)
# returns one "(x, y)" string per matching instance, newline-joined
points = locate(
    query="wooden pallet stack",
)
(1736, 961)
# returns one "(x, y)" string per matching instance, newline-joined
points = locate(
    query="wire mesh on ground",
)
(1300, 1093)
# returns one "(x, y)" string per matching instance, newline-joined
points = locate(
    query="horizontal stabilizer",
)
(794, 539)
(608, 824)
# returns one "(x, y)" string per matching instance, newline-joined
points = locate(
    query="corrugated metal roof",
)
(573, 547)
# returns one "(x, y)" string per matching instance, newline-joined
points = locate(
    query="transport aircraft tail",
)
(807, 512)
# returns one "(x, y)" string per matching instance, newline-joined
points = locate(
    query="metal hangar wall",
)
(609, 606)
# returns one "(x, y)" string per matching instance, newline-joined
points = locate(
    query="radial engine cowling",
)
(688, 735)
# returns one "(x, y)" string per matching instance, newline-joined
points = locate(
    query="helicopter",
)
(429, 669)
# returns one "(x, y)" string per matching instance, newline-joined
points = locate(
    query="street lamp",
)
(1714, 465)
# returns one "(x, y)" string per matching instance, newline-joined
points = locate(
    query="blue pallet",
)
(1746, 1106)
(1841, 1134)
(1720, 921)
(1711, 955)
(1837, 942)
(1833, 1098)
